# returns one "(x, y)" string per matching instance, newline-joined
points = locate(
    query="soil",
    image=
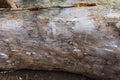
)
(40, 75)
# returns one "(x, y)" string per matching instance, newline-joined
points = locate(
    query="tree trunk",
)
(79, 40)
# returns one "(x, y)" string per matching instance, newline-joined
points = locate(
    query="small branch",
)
(40, 8)
(11, 3)
(33, 9)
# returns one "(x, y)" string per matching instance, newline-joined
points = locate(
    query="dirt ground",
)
(40, 75)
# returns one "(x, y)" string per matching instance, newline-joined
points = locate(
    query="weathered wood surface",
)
(79, 40)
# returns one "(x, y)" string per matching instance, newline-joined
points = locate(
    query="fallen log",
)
(78, 40)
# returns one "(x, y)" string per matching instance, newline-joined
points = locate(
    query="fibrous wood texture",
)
(79, 40)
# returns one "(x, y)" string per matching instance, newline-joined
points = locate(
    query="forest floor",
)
(41, 75)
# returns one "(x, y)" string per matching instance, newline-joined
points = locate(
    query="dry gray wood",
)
(79, 40)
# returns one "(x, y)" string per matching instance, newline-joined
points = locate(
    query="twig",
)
(40, 8)
(11, 3)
